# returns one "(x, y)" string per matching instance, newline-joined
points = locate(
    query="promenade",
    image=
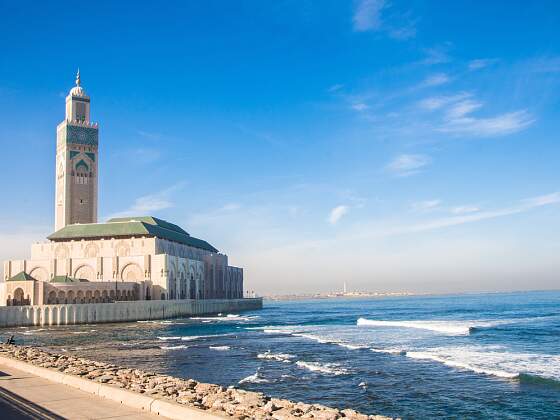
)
(29, 396)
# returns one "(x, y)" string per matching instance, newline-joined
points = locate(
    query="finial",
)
(78, 77)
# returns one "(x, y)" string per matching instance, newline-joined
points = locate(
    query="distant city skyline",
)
(373, 145)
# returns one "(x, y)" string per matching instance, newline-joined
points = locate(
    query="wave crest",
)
(327, 368)
(444, 327)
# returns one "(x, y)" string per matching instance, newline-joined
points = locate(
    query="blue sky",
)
(395, 145)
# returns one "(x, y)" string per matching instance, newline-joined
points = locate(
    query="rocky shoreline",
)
(228, 402)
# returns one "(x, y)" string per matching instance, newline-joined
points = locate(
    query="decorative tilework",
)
(91, 156)
(82, 163)
(73, 154)
(81, 135)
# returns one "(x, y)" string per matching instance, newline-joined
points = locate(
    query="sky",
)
(392, 145)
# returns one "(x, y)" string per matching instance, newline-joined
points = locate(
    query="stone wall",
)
(16, 316)
(164, 395)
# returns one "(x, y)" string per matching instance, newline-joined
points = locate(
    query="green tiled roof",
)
(151, 220)
(130, 226)
(21, 276)
(66, 279)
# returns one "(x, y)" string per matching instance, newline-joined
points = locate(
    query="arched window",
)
(82, 170)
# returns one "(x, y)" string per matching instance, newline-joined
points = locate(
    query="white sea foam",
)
(351, 346)
(329, 340)
(230, 317)
(220, 348)
(199, 337)
(443, 327)
(276, 331)
(327, 368)
(169, 338)
(493, 360)
(316, 338)
(256, 378)
(279, 357)
(400, 352)
(182, 346)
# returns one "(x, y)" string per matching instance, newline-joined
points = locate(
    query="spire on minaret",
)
(78, 90)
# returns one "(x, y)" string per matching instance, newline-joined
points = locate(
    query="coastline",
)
(168, 396)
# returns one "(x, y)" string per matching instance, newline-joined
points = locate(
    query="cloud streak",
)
(458, 117)
(367, 16)
(522, 207)
(407, 165)
(150, 203)
(437, 79)
(337, 213)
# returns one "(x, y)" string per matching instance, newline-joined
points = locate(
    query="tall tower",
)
(76, 162)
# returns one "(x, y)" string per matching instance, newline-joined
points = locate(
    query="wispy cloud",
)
(436, 55)
(360, 106)
(230, 207)
(461, 108)
(426, 205)
(335, 88)
(458, 119)
(149, 135)
(337, 213)
(437, 102)
(138, 155)
(522, 207)
(151, 203)
(436, 80)
(481, 63)
(499, 125)
(407, 165)
(367, 16)
(403, 33)
(543, 65)
(465, 209)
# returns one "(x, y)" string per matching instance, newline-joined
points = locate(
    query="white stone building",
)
(135, 258)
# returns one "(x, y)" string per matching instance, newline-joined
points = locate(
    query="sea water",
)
(462, 356)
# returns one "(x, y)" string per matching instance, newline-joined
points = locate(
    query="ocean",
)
(492, 355)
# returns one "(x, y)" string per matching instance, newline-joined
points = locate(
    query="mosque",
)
(124, 259)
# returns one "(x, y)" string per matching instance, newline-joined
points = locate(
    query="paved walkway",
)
(40, 398)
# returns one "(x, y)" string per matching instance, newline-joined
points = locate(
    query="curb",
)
(157, 406)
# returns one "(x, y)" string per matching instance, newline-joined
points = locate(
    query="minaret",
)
(76, 162)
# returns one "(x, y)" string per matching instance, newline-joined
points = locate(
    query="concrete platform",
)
(62, 401)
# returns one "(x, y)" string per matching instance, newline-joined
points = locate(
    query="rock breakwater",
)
(228, 402)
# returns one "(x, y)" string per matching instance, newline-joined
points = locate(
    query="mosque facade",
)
(123, 259)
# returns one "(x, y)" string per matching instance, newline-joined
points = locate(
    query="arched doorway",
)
(19, 297)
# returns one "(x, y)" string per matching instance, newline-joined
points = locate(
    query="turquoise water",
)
(464, 356)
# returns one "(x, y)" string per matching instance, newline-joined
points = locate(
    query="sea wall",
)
(87, 313)
(164, 395)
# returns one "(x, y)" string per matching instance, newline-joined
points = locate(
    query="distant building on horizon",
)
(131, 258)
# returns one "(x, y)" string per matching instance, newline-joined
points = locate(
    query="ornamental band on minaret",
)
(76, 162)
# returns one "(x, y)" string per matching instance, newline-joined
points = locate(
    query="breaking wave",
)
(229, 317)
(191, 337)
(527, 367)
(220, 348)
(443, 327)
(255, 378)
(327, 368)
(174, 347)
(279, 357)
(330, 340)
